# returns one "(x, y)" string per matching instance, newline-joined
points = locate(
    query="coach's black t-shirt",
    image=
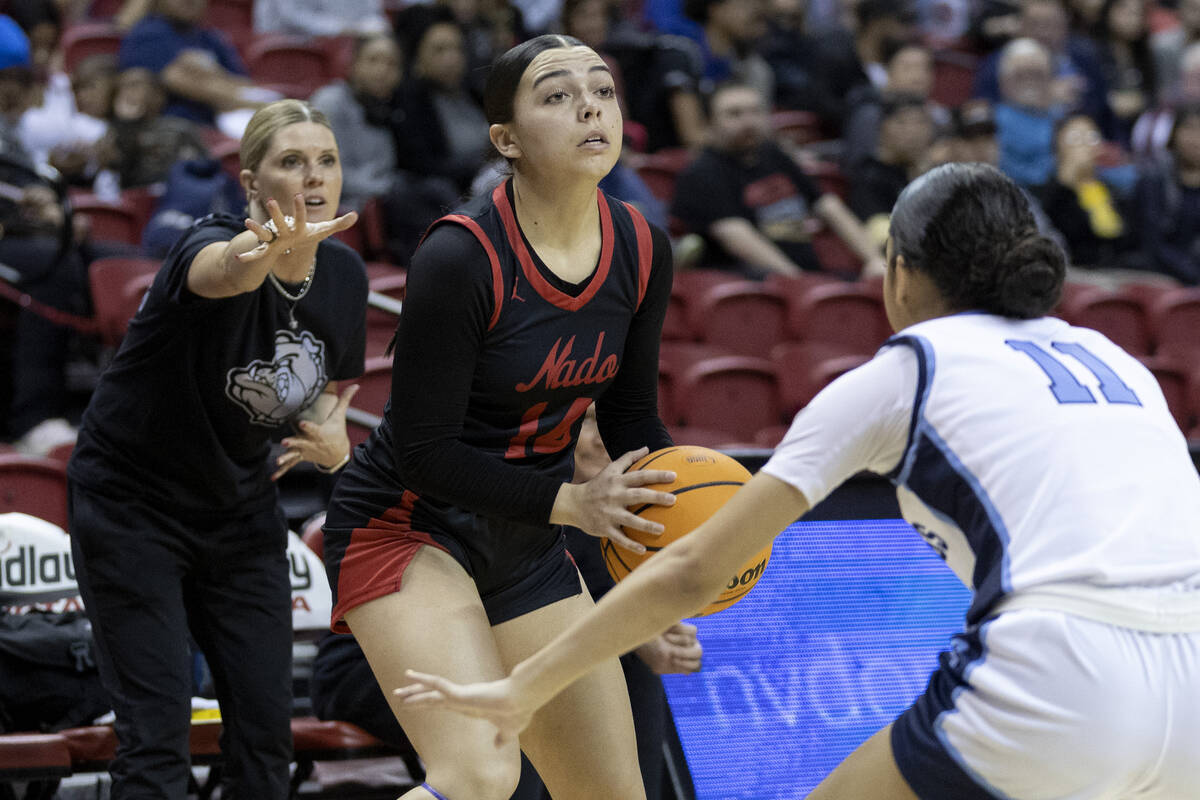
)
(498, 359)
(185, 413)
(769, 190)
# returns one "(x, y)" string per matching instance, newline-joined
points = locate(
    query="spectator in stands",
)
(1169, 46)
(65, 129)
(142, 143)
(42, 22)
(367, 118)
(361, 110)
(662, 76)
(751, 202)
(731, 28)
(489, 28)
(203, 73)
(975, 122)
(1077, 82)
(906, 132)
(442, 131)
(849, 62)
(1026, 113)
(39, 256)
(1126, 61)
(320, 17)
(1093, 217)
(909, 72)
(792, 53)
(1153, 128)
(1167, 203)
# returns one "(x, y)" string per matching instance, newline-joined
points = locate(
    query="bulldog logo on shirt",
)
(274, 391)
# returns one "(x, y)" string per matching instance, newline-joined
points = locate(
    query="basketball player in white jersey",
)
(1041, 462)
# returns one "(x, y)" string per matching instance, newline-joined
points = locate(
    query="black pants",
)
(149, 577)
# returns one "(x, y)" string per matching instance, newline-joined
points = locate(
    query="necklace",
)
(293, 299)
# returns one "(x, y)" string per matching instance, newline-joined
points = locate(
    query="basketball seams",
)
(683, 489)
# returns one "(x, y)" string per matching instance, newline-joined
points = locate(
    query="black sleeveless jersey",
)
(542, 352)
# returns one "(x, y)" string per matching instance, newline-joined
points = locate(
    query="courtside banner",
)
(37, 572)
(35, 561)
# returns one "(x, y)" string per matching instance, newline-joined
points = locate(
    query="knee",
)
(479, 779)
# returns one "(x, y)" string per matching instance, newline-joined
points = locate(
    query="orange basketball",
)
(704, 480)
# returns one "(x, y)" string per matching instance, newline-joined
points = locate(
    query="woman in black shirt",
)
(175, 522)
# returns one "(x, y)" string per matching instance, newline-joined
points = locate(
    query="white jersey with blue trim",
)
(1039, 459)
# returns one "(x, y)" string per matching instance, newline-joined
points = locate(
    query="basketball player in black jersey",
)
(443, 539)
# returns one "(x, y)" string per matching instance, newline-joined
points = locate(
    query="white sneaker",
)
(45, 436)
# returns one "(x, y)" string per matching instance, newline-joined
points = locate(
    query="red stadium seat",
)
(693, 283)
(797, 128)
(1118, 316)
(1175, 319)
(834, 255)
(275, 60)
(770, 436)
(660, 170)
(85, 39)
(676, 325)
(117, 285)
(796, 368)
(34, 486)
(111, 222)
(735, 394)
(234, 17)
(953, 77)
(707, 437)
(1173, 380)
(746, 317)
(850, 315)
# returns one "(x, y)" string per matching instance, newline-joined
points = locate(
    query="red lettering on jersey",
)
(559, 369)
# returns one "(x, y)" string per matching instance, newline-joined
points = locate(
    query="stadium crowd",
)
(769, 137)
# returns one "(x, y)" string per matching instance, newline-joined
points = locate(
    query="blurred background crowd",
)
(769, 137)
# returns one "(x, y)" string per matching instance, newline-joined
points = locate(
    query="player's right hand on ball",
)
(600, 507)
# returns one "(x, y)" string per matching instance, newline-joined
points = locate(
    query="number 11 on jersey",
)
(1065, 386)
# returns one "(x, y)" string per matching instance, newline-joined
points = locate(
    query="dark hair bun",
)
(1030, 277)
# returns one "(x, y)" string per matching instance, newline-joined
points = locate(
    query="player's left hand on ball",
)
(677, 650)
(495, 701)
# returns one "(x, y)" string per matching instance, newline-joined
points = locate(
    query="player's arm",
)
(679, 580)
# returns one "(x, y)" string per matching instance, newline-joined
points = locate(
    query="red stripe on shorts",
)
(374, 562)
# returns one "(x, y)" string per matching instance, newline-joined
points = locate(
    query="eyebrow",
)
(558, 73)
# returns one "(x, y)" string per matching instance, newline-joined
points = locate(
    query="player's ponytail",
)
(969, 227)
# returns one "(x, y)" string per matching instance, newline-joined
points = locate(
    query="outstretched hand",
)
(285, 233)
(324, 443)
(600, 506)
(496, 701)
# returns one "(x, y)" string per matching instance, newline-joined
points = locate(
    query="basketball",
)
(704, 480)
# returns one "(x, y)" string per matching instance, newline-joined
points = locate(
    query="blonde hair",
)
(270, 119)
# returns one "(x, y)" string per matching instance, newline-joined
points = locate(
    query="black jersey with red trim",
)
(497, 360)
